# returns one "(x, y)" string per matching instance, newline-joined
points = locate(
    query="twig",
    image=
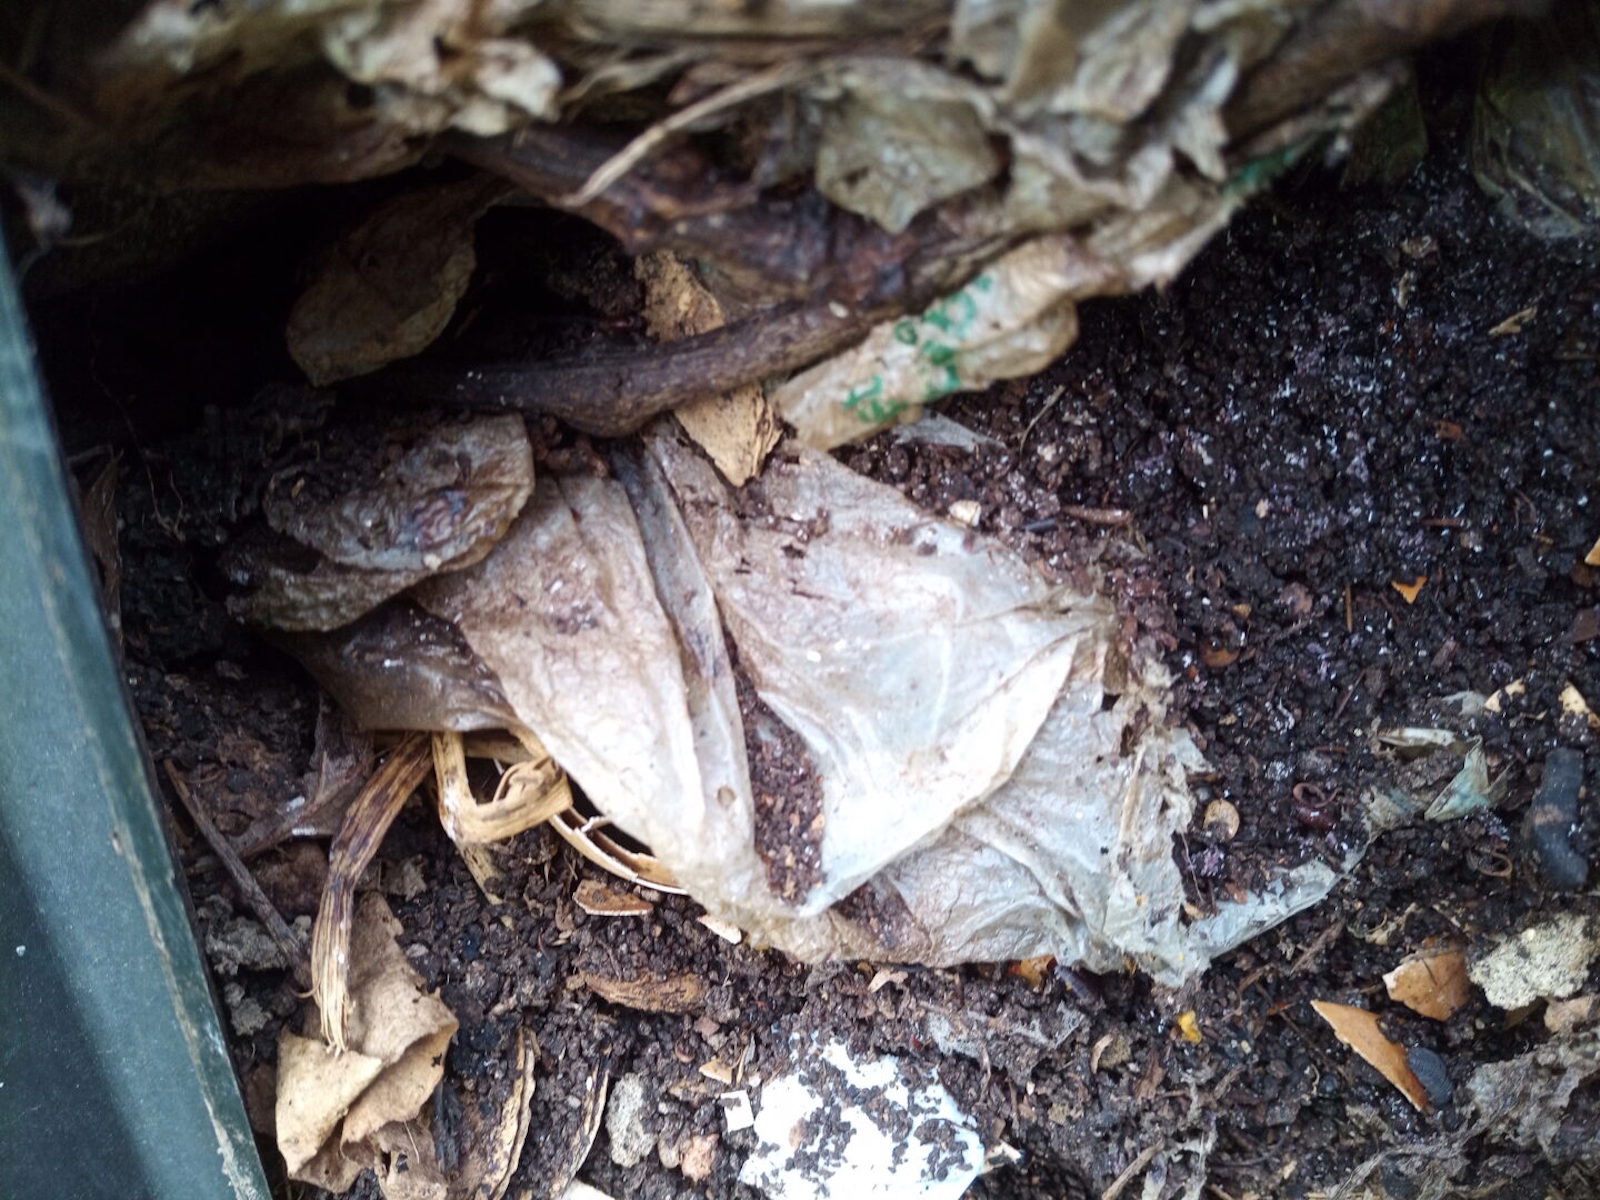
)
(1097, 516)
(289, 943)
(1044, 408)
(1130, 1172)
(775, 78)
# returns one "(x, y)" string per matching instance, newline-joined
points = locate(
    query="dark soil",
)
(1317, 410)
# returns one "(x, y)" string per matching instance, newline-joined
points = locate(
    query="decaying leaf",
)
(332, 1105)
(400, 506)
(1525, 1098)
(1549, 960)
(598, 900)
(1433, 983)
(671, 994)
(737, 429)
(1358, 1029)
(388, 287)
(1574, 704)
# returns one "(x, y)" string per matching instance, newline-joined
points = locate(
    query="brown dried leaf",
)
(1409, 591)
(737, 429)
(672, 994)
(331, 1106)
(598, 900)
(389, 287)
(1358, 1029)
(1434, 983)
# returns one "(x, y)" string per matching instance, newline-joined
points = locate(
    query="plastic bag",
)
(846, 726)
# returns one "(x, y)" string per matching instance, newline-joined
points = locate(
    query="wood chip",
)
(726, 930)
(1409, 591)
(1358, 1029)
(598, 900)
(1433, 983)
(1515, 322)
(672, 994)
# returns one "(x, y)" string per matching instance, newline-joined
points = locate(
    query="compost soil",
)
(1329, 402)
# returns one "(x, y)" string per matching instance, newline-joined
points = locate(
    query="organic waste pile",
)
(541, 481)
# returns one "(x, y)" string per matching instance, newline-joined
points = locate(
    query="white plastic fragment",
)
(736, 1110)
(837, 1126)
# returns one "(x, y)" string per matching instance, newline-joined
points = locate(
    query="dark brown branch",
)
(1345, 38)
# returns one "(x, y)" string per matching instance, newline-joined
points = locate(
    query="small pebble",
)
(1553, 818)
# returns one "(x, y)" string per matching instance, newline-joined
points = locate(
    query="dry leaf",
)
(1217, 657)
(598, 900)
(1409, 591)
(1358, 1029)
(1434, 984)
(882, 978)
(529, 794)
(1593, 557)
(389, 287)
(673, 994)
(1497, 699)
(331, 1106)
(1573, 704)
(738, 430)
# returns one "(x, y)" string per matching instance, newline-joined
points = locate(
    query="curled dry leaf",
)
(365, 822)
(389, 286)
(672, 994)
(1358, 1029)
(1433, 983)
(529, 793)
(332, 1105)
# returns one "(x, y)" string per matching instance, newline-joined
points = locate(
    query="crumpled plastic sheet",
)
(997, 780)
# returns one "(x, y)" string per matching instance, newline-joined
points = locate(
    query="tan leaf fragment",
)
(1358, 1029)
(331, 1107)
(389, 287)
(1434, 984)
(1592, 558)
(1574, 705)
(598, 900)
(1409, 591)
(671, 994)
(738, 429)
